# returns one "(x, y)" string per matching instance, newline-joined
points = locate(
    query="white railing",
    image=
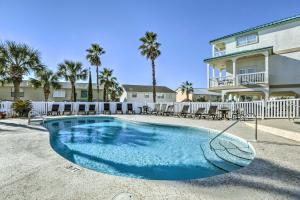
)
(289, 108)
(219, 53)
(221, 81)
(251, 78)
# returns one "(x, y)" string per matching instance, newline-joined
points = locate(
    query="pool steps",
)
(227, 155)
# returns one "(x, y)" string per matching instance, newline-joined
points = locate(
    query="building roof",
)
(240, 53)
(263, 26)
(204, 91)
(146, 88)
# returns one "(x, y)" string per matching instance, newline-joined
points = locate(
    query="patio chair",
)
(169, 111)
(81, 109)
(162, 109)
(145, 110)
(119, 108)
(67, 109)
(212, 112)
(156, 110)
(54, 110)
(198, 113)
(239, 113)
(92, 109)
(184, 112)
(130, 109)
(106, 109)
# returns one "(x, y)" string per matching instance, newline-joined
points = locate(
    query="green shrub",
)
(22, 107)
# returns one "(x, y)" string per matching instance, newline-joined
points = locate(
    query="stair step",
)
(232, 144)
(223, 154)
(236, 151)
(211, 157)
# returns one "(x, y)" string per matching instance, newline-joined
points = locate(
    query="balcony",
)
(240, 79)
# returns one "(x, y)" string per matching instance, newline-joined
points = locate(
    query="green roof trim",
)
(256, 28)
(239, 53)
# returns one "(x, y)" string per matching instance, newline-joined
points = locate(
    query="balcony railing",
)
(219, 53)
(251, 78)
(241, 79)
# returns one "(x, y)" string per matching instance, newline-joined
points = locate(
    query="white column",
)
(234, 70)
(208, 74)
(267, 68)
(214, 72)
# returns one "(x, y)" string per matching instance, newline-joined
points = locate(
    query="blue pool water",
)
(139, 150)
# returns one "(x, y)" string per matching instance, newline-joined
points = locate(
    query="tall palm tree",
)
(46, 79)
(16, 61)
(106, 79)
(93, 56)
(186, 87)
(72, 71)
(150, 49)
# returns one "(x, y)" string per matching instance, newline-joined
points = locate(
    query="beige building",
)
(28, 92)
(258, 63)
(198, 95)
(143, 94)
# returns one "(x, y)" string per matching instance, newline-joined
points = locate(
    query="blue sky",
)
(65, 29)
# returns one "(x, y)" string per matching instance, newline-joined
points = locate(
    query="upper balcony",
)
(219, 49)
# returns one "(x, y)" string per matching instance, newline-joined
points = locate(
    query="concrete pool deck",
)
(30, 169)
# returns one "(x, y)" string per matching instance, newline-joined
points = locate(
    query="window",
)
(160, 96)
(246, 40)
(147, 95)
(248, 70)
(59, 93)
(84, 93)
(134, 95)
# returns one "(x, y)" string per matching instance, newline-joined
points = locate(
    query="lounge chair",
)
(119, 108)
(92, 109)
(67, 109)
(130, 109)
(106, 109)
(239, 114)
(162, 109)
(169, 111)
(81, 109)
(198, 113)
(145, 110)
(184, 112)
(212, 112)
(54, 110)
(156, 110)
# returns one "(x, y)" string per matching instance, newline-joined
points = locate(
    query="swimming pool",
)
(138, 150)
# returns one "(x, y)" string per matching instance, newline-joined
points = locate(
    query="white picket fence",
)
(289, 108)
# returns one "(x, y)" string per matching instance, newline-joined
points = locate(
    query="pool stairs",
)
(227, 155)
(35, 117)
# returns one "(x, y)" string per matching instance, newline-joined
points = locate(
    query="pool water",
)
(138, 150)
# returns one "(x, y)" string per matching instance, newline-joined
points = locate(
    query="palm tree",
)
(186, 87)
(106, 79)
(150, 49)
(93, 56)
(47, 80)
(72, 71)
(90, 88)
(115, 91)
(16, 61)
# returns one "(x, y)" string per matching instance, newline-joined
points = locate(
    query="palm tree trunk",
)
(16, 89)
(97, 78)
(73, 98)
(153, 81)
(104, 93)
(187, 95)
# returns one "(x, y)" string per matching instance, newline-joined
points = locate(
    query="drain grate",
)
(72, 168)
(124, 196)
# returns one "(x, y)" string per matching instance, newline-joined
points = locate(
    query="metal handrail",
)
(234, 123)
(36, 112)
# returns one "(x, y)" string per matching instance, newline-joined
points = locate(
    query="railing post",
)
(263, 109)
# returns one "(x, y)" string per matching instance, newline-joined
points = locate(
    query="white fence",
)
(263, 109)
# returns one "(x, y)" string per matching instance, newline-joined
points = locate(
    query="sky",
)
(64, 29)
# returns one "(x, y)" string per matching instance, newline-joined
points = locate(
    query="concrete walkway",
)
(30, 169)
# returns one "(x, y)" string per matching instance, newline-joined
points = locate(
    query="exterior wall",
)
(168, 97)
(280, 37)
(180, 97)
(285, 69)
(212, 98)
(33, 94)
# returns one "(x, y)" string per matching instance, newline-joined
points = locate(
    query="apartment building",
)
(257, 63)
